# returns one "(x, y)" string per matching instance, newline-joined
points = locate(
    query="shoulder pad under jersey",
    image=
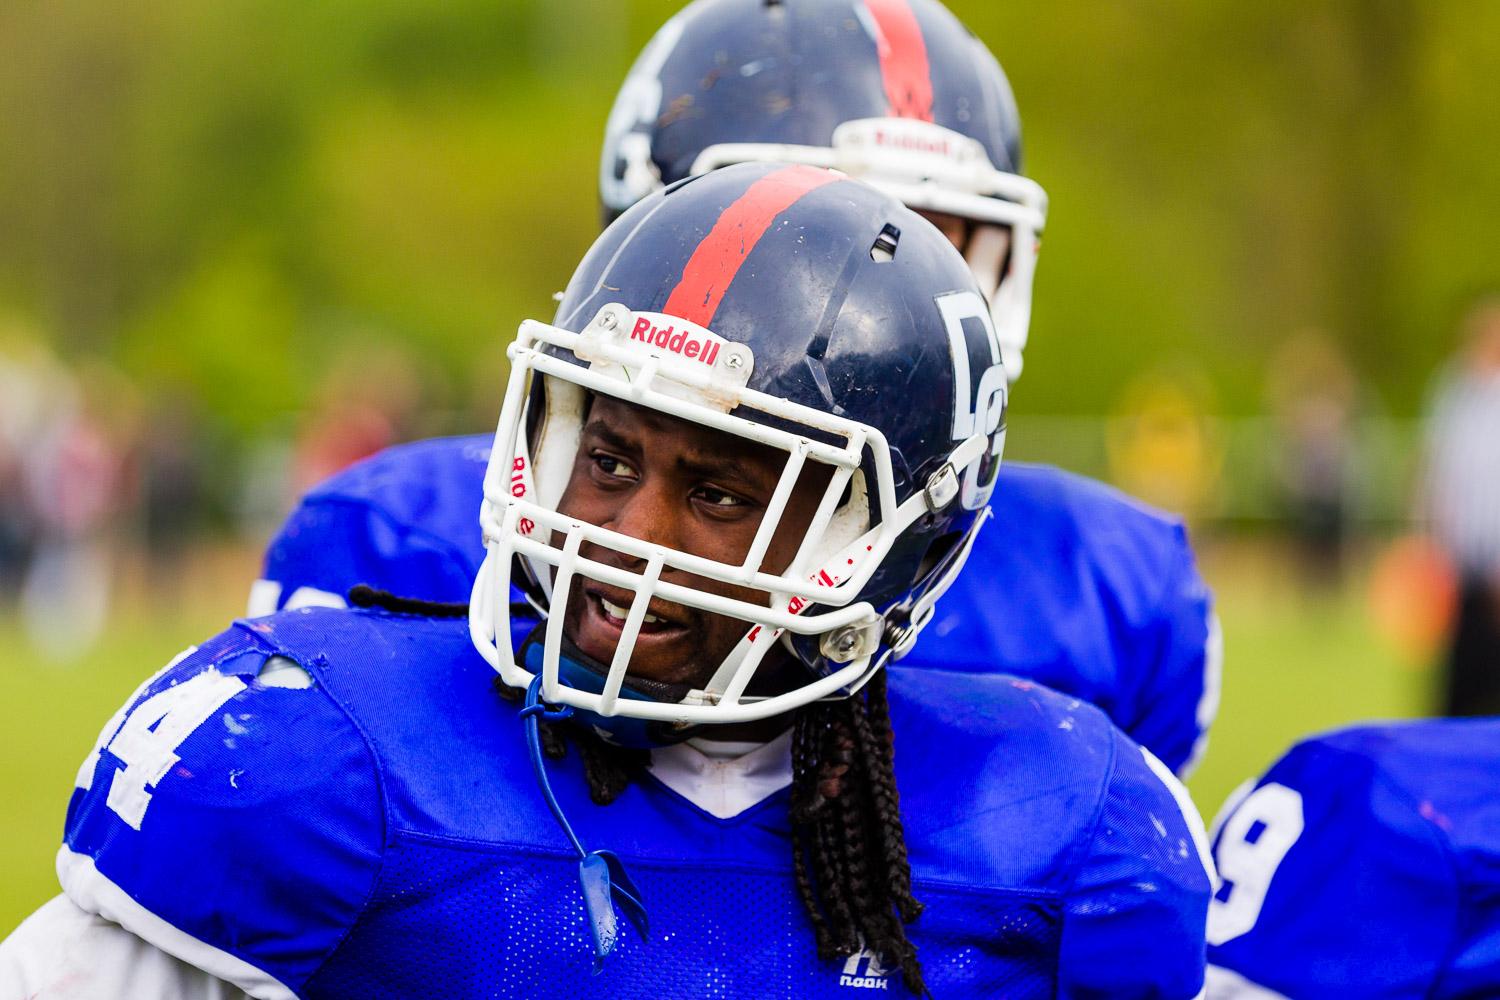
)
(405, 520)
(986, 761)
(227, 818)
(1093, 593)
(1363, 863)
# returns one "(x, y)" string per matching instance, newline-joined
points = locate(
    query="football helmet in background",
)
(788, 306)
(895, 92)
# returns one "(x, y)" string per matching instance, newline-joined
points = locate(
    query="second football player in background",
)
(1078, 586)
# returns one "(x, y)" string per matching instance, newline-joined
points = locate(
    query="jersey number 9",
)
(1252, 844)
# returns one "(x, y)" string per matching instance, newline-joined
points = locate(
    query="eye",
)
(615, 468)
(718, 498)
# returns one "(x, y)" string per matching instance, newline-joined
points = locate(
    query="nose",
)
(646, 512)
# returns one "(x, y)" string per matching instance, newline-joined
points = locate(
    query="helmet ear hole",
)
(937, 554)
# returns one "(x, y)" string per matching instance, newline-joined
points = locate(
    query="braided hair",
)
(848, 841)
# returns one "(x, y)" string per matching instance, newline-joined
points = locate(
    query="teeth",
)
(615, 611)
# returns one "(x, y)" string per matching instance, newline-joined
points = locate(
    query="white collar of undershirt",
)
(725, 779)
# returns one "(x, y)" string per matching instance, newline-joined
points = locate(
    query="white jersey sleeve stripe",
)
(1189, 813)
(264, 595)
(91, 892)
(1208, 703)
(312, 597)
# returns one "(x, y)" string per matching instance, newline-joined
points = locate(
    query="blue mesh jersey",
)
(1072, 583)
(1365, 864)
(381, 834)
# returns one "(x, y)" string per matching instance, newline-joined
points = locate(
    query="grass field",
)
(1295, 662)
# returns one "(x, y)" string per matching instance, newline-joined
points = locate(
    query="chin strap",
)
(600, 873)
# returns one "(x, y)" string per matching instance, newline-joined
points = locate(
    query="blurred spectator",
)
(1462, 504)
(368, 400)
(14, 532)
(1313, 397)
(33, 387)
(78, 486)
(1163, 444)
(1413, 596)
(174, 497)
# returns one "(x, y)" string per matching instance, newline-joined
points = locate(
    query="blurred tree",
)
(232, 193)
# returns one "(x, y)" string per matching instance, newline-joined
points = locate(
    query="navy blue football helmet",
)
(895, 92)
(796, 308)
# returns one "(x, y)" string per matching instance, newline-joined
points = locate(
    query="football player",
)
(1085, 589)
(710, 471)
(1365, 863)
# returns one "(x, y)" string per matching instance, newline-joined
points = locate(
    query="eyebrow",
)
(704, 464)
(605, 432)
(726, 470)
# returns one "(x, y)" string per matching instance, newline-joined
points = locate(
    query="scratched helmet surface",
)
(896, 92)
(793, 307)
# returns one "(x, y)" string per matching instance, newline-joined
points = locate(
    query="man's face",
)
(985, 246)
(696, 490)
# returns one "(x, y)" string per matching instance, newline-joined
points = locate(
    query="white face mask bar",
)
(682, 370)
(934, 169)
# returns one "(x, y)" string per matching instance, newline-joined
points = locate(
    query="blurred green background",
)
(227, 196)
(245, 213)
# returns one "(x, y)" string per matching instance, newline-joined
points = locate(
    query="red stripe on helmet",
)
(712, 267)
(903, 58)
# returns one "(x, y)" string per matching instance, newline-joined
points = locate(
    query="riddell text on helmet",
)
(689, 341)
(917, 143)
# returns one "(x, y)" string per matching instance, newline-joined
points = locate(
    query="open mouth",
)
(616, 615)
(613, 615)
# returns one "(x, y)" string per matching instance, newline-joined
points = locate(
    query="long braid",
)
(817, 790)
(866, 838)
(876, 727)
(847, 829)
(802, 848)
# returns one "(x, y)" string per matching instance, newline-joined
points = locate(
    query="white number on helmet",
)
(979, 403)
(627, 152)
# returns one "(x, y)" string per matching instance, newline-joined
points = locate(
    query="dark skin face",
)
(954, 227)
(661, 479)
(963, 234)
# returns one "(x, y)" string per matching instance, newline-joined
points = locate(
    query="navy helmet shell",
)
(851, 304)
(750, 71)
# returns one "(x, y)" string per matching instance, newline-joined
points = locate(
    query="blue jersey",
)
(1365, 864)
(380, 834)
(1072, 584)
